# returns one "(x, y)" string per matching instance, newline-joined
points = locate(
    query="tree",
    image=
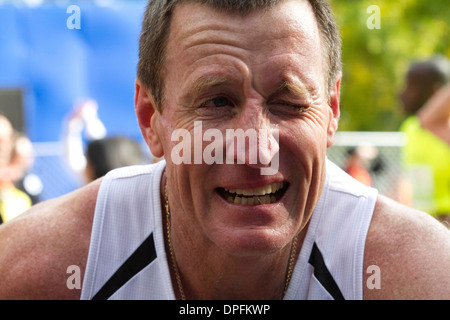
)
(377, 59)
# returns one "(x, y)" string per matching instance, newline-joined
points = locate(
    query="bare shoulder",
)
(412, 252)
(37, 247)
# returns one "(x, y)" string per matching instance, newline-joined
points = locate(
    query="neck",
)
(206, 272)
(209, 273)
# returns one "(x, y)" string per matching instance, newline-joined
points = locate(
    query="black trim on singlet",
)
(141, 257)
(1, 213)
(323, 275)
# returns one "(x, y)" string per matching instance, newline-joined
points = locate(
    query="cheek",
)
(177, 138)
(185, 187)
(303, 153)
(305, 140)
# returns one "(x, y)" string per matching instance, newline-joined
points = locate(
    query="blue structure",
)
(56, 62)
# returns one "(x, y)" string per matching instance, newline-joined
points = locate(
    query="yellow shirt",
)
(12, 203)
(427, 160)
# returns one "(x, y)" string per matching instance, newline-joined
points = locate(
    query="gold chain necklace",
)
(172, 254)
(175, 266)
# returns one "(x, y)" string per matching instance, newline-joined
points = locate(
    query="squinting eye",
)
(218, 102)
(300, 107)
(287, 109)
(296, 107)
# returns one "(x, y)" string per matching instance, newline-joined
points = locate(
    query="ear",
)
(147, 116)
(334, 112)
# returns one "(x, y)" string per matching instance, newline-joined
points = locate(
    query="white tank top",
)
(127, 257)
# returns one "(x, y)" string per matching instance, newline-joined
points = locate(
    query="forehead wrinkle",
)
(199, 29)
(210, 34)
(212, 43)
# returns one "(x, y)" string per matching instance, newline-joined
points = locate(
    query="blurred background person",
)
(435, 115)
(88, 150)
(426, 157)
(82, 126)
(109, 153)
(22, 161)
(12, 201)
(358, 163)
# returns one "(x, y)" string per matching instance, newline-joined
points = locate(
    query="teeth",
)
(262, 195)
(270, 188)
(267, 199)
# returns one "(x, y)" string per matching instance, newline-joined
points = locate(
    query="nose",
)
(254, 140)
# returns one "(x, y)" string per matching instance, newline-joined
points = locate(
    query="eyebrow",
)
(298, 90)
(204, 83)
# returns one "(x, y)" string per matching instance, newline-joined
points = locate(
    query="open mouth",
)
(268, 194)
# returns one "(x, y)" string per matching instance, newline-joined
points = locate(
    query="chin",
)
(250, 241)
(249, 230)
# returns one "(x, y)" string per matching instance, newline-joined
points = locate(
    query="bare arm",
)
(37, 247)
(412, 251)
(435, 115)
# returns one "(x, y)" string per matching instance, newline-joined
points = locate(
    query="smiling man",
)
(224, 230)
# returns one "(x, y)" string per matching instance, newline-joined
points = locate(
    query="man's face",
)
(262, 72)
(418, 89)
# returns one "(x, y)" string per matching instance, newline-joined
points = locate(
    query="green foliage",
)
(376, 60)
